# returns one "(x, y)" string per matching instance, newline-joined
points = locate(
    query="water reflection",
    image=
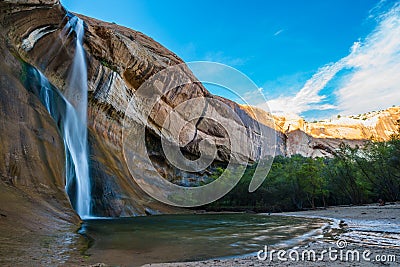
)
(171, 238)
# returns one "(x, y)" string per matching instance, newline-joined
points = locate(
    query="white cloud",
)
(308, 97)
(279, 32)
(373, 81)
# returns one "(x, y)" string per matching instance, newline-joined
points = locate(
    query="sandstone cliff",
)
(322, 138)
(34, 209)
(119, 61)
(28, 28)
(377, 125)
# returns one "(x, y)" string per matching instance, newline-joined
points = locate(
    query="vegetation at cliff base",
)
(353, 176)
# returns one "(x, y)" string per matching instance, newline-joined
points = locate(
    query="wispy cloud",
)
(279, 32)
(308, 97)
(373, 81)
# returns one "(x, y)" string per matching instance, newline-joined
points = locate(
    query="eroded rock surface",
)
(119, 61)
(321, 138)
(35, 212)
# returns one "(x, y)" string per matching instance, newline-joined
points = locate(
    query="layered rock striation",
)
(322, 138)
(120, 60)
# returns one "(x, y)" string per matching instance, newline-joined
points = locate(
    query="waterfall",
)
(75, 126)
(69, 110)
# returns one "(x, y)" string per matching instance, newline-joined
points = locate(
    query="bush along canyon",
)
(90, 150)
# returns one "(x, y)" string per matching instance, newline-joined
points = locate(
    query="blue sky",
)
(312, 58)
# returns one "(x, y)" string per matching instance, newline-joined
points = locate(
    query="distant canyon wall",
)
(322, 138)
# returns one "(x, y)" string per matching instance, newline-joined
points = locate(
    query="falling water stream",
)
(75, 126)
(69, 110)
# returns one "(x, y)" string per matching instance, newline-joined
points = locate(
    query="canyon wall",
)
(119, 61)
(321, 138)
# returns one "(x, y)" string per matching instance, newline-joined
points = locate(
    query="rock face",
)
(377, 125)
(119, 61)
(34, 208)
(29, 28)
(323, 137)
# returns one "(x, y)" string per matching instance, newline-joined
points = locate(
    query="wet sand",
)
(370, 228)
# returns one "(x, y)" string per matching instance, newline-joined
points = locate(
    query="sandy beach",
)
(372, 232)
